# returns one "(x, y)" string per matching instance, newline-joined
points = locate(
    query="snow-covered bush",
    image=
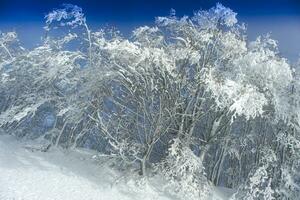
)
(185, 173)
(259, 183)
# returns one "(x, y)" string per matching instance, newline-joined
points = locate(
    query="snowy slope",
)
(58, 175)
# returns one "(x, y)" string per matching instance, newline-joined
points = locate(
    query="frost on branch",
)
(70, 15)
(243, 100)
(218, 15)
(149, 36)
(6, 50)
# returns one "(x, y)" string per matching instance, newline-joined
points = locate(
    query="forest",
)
(190, 99)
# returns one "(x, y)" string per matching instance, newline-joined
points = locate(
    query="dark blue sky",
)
(281, 18)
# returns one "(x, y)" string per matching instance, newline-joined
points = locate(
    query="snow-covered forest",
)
(190, 100)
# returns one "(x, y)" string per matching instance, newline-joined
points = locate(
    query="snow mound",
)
(26, 174)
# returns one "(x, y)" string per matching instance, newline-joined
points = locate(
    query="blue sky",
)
(281, 18)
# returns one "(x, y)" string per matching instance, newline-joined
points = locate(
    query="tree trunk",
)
(216, 165)
(60, 134)
(220, 168)
(145, 159)
(203, 152)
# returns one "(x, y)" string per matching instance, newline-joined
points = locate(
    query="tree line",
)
(189, 98)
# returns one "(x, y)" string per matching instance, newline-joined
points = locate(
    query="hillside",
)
(28, 174)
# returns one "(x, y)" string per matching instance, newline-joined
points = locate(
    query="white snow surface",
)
(26, 174)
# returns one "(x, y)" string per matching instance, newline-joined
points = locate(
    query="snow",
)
(28, 174)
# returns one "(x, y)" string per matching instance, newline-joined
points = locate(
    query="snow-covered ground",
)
(26, 174)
